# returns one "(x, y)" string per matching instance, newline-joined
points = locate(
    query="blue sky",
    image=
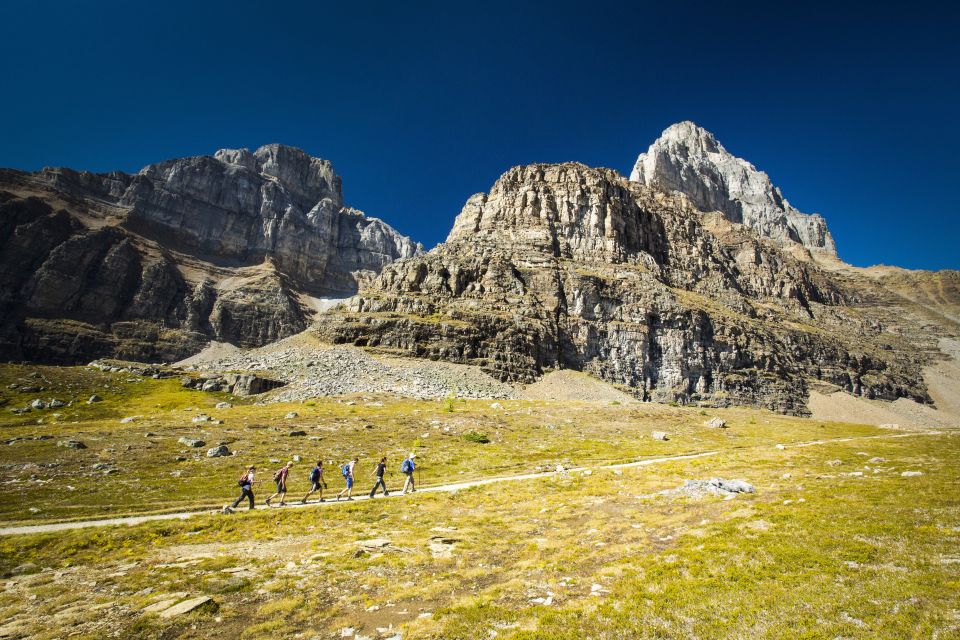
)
(852, 111)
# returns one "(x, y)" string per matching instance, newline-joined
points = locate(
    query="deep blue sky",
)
(853, 112)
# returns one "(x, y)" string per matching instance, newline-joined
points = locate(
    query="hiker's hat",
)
(413, 455)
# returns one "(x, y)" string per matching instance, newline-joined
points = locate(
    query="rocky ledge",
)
(570, 267)
(234, 247)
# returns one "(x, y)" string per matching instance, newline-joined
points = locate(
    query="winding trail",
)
(449, 488)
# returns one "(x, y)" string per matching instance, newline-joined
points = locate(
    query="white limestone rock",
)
(688, 159)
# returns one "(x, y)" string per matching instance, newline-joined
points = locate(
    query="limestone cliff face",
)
(152, 265)
(564, 266)
(688, 159)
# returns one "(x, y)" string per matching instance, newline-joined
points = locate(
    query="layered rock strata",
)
(565, 266)
(153, 265)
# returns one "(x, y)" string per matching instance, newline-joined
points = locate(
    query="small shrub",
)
(474, 436)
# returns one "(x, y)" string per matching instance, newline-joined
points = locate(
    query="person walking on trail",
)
(280, 477)
(246, 483)
(317, 483)
(378, 472)
(407, 468)
(347, 471)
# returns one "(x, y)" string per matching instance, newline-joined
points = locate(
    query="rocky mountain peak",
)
(688, 137)
(688, 159)
(233, 247)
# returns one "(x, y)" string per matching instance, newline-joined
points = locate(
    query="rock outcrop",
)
(565, 266)
(688, 159)
(151, 266)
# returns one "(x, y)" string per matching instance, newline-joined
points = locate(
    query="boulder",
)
(71, 444)
(716, 423)
(94, 398)
(659, 435)
(191, 442)
(205, 602)
(218, 452)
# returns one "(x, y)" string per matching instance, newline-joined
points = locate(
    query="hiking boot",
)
(227, 509)
(267, 501)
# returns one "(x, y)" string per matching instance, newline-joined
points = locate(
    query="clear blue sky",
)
(852, 111)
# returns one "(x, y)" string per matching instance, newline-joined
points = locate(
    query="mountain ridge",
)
(152, 265)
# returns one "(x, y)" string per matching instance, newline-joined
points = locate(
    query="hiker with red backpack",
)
(347, 471)
(280, 477)
(246, 483)
(317, 483)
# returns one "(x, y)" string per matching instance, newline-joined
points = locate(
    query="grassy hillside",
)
(835, 542)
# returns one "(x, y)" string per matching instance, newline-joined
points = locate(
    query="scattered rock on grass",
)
(291, 415)
(224, 405)
(659, 435)
(911, 474)
(38, 404)
(713, 486)
(716, 423)
(130, 419)
(294, 434)
(218, 451)
(71, 444)
(94, 398)
(191, 442)
(187, 606)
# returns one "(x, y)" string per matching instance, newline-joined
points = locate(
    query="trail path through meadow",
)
(457, 486)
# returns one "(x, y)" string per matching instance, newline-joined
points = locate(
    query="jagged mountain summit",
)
(569, 267)
(688, 159)
(695, 282)
(235, 247)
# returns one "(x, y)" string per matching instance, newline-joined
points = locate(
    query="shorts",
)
(349, 482)
(316, 486)
(281, 487)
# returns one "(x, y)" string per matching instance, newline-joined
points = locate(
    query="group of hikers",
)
(248, 480)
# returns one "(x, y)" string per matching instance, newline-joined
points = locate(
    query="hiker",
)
(317, 483)
(380, 470)
(347, 471)
(407, 468)
(280, 477)
(246, 483)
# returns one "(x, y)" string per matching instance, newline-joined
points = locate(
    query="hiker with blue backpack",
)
(378, 472)
(317, 483)
(347, 471)
(407, 469)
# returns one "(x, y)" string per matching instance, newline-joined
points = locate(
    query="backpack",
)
(276, 476)
(244, 479)
(407, 466)
(345, 470)
(315, 475)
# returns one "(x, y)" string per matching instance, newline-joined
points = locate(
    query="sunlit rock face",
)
(153, 265)
(688, 159)
(567, 266)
